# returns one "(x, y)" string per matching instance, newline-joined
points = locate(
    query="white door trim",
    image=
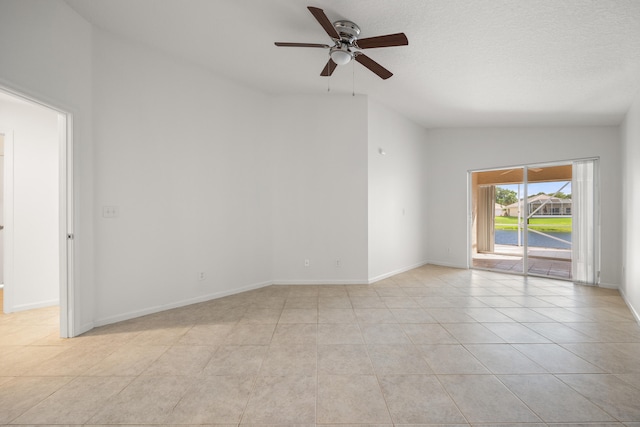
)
(8, 219)
(67, 229)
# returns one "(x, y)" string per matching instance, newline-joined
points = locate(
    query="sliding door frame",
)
(525, 256)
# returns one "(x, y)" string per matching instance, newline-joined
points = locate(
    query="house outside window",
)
(542, 205)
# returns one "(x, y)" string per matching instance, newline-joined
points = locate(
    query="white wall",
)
(320, 189)
(631, 208)
(184, 155)
(35, 280)
(45, 51)
(453, 152)
(397, 193)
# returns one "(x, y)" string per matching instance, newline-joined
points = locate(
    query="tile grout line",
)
(555, 375)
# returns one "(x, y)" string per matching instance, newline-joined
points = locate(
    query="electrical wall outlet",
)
(307, 263)
(109, 211)
(201, 276)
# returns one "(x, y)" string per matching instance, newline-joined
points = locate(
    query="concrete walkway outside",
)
(548, 262)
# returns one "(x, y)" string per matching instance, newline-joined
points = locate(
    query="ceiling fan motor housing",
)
(348, 31)
(341, 53)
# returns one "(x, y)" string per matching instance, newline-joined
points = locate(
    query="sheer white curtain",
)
(585, 230)
(486, 218)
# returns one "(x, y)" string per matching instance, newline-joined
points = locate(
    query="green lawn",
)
(549, 224)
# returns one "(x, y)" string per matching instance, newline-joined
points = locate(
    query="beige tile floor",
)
(429, 346)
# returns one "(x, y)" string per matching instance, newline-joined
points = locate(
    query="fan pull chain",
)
(353, 75)
(329, 80)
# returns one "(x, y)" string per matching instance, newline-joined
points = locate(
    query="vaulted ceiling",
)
(468, 62)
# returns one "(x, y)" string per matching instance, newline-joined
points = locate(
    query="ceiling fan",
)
(347, 46)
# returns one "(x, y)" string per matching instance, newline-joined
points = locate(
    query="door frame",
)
(525, 168)
(65, 212)
(8, 216)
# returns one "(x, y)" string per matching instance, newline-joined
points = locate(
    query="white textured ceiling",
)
(468, 62)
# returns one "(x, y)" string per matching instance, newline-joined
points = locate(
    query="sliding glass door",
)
(537, 220)
(497, 234)
(549, 221)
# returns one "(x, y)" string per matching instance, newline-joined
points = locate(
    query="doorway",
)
(37, 144)
(527, 220)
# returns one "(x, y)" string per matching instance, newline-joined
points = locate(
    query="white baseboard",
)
(40, 304)
(608, 286)
(320, 282)
(634, 312)
(84, 328)
(394, 272)
(447, 264)
(138, 313)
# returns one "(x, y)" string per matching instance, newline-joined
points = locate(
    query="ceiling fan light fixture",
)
(347, 45)
(341, 56)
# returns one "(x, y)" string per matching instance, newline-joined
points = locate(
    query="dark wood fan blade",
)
(287, 44)
(389, 40)
(329, 68)
(372, 65)
(324, 21)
